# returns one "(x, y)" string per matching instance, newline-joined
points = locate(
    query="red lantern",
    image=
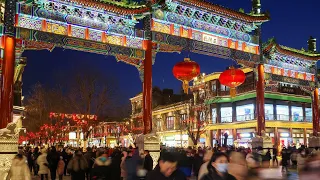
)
(185, 71)
(232, 78)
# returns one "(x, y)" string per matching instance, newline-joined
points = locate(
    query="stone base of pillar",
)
(152, 144)
(314, 142)
(261, 141)
(9, 137)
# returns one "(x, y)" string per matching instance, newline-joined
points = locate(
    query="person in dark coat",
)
(35, 156)
(77, 166)
(148, 161)
(198, 161)
(116, 164)
(53, 158)
(102, 169)
(218, 168)
(90, 158)
(166, 169)
(30, 159)
(133, 161)
(64, 154)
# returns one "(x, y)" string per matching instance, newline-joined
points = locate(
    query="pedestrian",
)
(148, 161)
(275, 154)
(204, 167)
(43, 165)
(60, 169)
(133, 161)
(35, 156)
(123, 165)
(218, 168)
(293, 158)
(77, 166)
(30, 158)
(53, 158)
(285, 158)
(238, 166)
(19, 169)
(90, 158)
(166, 169)
(102, 169)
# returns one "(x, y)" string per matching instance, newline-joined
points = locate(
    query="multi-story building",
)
(288, 100)
(290, 83)
(111, 134)
(160, 99)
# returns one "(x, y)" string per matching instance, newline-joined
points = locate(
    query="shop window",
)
(245, 112)
(170, 122)
(282, 112)
(214, 86)
(309, 114)
(269, 111)
(214, 115)
(226, 114)
(183, 118)
(296, 113)
(222, 87)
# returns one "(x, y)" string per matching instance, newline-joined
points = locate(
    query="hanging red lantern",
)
(185, 71)
(232, 78)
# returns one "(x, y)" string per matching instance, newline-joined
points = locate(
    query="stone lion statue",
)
(12, 129)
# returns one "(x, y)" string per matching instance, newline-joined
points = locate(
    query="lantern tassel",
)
(233, 92)
(185, 86)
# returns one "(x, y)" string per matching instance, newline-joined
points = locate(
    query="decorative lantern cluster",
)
(185, 71)
(232, 78)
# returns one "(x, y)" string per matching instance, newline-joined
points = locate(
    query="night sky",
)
(292, 22)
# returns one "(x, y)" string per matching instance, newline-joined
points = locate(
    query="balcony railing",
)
(247, 117)
(269, 117)
(227, 119)
(297, 119)
(309, 118)
(282, 117)
(245, 88)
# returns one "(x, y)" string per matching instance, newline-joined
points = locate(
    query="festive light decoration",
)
(232, 78)
(185, 71)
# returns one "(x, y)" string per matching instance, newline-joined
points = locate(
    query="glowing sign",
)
(210, 39)
(72, 135)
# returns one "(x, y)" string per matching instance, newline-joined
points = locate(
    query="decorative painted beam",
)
(80, 44)
(109, 23)
(279, 78)
(203, 48)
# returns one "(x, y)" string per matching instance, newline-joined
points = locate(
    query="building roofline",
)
(290, 51)
(226, 11)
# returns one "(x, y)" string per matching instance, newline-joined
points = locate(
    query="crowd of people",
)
(220, 163)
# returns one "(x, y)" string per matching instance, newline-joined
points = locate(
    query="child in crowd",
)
(60, 168)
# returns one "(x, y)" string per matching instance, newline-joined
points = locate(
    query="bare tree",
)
(39, 104)
(195, 124)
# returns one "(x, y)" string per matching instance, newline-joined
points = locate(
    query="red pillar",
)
(7, 81)
(315, 109)
(260, 100)
(147, 89)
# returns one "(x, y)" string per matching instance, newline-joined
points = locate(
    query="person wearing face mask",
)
(218, 168)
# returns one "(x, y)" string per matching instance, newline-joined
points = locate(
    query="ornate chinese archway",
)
(108, 27)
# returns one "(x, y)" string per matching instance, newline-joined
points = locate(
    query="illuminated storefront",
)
(176, 140)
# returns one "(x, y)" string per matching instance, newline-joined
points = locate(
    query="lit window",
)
(226, 114)
(170, 122)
